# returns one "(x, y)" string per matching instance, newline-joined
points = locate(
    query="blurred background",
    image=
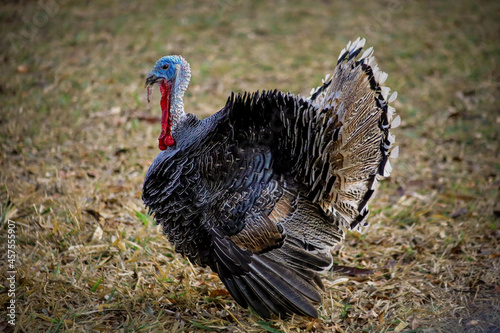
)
(77, 136)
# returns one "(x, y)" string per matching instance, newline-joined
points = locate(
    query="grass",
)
(76, 143)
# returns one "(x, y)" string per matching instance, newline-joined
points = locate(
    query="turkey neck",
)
(172, 105)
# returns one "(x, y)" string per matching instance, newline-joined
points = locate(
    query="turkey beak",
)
(150, 80)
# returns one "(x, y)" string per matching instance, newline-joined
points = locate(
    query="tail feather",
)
(354, 111)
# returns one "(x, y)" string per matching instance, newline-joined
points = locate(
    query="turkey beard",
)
(165, 140)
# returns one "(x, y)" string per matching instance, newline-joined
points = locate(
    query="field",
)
(77, 136)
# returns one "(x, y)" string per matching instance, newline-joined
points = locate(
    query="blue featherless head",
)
(165, 69)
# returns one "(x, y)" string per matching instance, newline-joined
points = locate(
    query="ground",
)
(77, 136)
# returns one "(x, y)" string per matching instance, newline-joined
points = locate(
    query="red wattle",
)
(165, 140)
(161, 143)
(169, 140)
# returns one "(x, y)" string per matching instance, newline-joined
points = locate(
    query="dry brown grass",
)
(75, 145)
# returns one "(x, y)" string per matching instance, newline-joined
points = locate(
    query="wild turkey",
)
(262, 190)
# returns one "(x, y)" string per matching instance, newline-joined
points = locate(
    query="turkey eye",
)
(165, 67)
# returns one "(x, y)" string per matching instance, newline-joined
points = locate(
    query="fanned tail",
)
(353, 122)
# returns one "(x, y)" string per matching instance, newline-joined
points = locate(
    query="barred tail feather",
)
(354, 113)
